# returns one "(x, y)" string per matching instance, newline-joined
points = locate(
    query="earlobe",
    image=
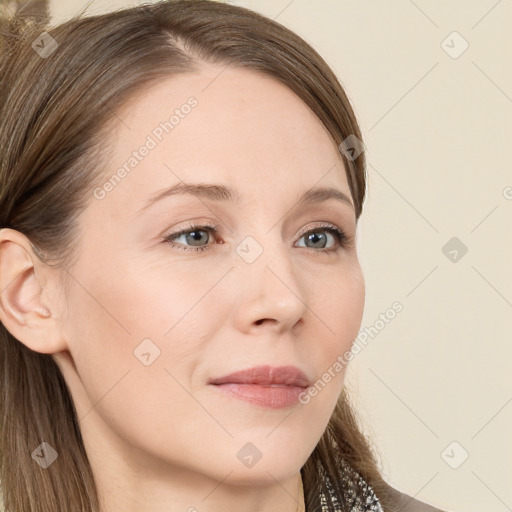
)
(22, 311)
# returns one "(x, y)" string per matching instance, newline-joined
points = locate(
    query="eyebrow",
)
(218, 192)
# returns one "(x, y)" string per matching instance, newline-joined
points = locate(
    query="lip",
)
(266, 386)
(266, 376)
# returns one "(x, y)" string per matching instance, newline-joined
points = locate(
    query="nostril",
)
(259, 322)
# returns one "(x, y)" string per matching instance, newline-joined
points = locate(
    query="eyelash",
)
(341, 238)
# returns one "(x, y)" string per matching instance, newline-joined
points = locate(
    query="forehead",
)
(224, 125)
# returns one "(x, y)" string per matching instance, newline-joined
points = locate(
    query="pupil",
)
(195, 234)
(314, 235)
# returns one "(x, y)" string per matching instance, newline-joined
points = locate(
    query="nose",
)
(269, 292)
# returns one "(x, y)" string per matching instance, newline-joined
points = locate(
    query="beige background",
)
(438, 145)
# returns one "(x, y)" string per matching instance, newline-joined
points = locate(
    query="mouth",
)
(265, 386)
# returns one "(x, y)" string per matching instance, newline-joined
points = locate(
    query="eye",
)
(196, 235)
(340, 239)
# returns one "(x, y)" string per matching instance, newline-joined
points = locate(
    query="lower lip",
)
(272, 397)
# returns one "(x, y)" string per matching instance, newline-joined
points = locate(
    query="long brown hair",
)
(55, 101)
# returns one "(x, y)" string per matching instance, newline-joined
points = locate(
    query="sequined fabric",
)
(359, 496)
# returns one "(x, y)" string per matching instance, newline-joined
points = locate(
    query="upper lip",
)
(266, 375)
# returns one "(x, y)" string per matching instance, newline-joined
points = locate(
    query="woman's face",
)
(149, 323)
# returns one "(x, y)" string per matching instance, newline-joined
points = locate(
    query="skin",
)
(157, 436)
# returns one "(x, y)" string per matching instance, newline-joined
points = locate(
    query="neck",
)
(140, 488)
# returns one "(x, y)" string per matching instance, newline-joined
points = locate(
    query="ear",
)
(23, 311)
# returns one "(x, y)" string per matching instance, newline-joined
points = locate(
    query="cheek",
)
(339, 310)
(122, 316)
(339, 307)
(134, 300)
(111, 317)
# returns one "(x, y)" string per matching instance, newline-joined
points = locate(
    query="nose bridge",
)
(263, 249)
(263, 246)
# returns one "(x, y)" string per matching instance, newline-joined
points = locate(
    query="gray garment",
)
(359, 496)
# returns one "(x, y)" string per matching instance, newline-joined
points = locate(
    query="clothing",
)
(359, 496)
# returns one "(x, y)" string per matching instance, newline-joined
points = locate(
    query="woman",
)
(180, 190)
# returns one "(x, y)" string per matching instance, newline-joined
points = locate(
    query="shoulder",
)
(406, 503)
